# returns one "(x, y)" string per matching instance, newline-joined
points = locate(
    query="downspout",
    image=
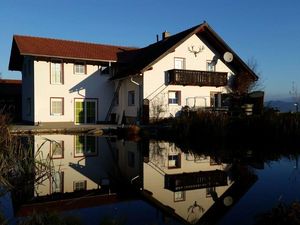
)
(136, 83)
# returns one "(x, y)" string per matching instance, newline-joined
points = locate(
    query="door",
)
(85, 111)
(215, 99)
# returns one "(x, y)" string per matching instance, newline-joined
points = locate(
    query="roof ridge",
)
(74, 41)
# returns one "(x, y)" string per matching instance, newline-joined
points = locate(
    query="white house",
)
(76, 82)
(64, 81)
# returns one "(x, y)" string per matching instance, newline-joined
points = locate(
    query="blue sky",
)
(267, 31)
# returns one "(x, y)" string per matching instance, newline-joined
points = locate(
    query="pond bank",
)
(98, 129)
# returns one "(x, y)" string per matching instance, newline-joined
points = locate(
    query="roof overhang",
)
(16, 59)
(221, 47)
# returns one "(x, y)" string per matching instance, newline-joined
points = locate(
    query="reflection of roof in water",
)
(59, 205)
(232, 195)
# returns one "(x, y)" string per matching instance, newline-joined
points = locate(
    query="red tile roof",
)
(9, 81)
(133, 60)
(37, 46)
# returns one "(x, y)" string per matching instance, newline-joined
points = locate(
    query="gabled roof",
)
(64, 49)
(131, 61)
(143, 59)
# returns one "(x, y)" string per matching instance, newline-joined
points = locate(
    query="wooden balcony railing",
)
(195, 180)
(197, 78)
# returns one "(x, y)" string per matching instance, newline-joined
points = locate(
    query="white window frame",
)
(57, 182)
(80, 185)
(54, 145)
(175, 100)
(182, 63)
(179, 196)
(79, 68)
(56, 99)
(56, 77)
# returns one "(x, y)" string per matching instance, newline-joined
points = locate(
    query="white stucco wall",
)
(156, 91)
(91, 85)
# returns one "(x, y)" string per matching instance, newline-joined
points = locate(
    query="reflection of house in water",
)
(86, 175)
(187, 183)
(74, 160)
(128, 158)
(70, 166)
(98, 170)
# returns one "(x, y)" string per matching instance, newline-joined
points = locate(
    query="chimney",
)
(165, 35)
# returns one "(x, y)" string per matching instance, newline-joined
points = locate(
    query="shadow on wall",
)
(96, 86)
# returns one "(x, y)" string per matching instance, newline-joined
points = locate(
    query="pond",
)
(104, 180)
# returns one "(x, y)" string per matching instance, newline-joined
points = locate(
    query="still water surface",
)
(151, 182)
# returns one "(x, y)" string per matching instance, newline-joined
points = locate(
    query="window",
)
(79, 185)
(210, 191)
(174, 161)
(56, 72)
(85, 111)
(215, 99)
(57, 149)
(174, 97)
(79, 68)
(131, 97)
(179, 63)
(179, 196)
(210, 66)
(57, 182)
(85, 146)
(57, 106)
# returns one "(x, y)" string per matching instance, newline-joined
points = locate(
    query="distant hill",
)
(282, 106)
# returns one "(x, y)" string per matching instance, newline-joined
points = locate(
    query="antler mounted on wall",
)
(199, 49)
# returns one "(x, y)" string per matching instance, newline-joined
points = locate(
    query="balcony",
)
(197, 78)
(195, 180)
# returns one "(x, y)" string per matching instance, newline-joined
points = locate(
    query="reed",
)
(14, 161)
(202, 128)
(281, 214)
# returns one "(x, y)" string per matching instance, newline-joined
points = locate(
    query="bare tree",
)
(158, 107)
(295, 95)
(257, 85)
(245, 83)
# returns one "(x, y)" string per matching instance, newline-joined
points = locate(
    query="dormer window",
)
(80, 68)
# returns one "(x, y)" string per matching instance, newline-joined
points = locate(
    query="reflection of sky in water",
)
(135, 212)
(279, 180)
(6, 206)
